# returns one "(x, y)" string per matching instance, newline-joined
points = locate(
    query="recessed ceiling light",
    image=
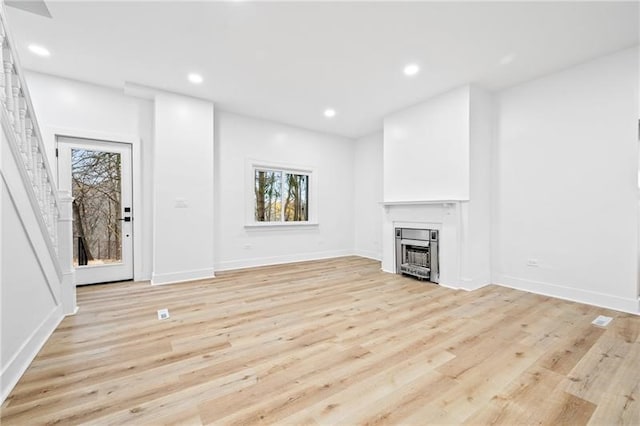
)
(507, 59)
(329, 112)
(195, 78)
(39, 50)
(411, 69)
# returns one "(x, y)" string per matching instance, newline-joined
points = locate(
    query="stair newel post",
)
(65, 252)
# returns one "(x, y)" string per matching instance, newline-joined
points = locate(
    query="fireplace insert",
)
(417, 253)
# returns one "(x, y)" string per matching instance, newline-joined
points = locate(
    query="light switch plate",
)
(602, 321)
(163, 314)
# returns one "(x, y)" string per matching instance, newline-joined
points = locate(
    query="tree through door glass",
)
(96, 188)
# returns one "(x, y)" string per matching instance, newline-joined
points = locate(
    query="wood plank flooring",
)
(330, 342)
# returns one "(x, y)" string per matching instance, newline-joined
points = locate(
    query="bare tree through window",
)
(281, 196)
(97, 205)
(295, 205)
(268, 191)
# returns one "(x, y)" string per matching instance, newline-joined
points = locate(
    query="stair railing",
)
(19, 120)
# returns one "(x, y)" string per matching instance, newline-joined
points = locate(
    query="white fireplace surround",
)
(449, 217)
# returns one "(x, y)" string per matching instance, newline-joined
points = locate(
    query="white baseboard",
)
(146, 276)
(368, 254)
(277, 260)
(631, 305)
(467, 284)
(21, 360)
(179, 277)
(471, 284)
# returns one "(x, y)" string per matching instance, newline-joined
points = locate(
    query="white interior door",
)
(98, 174)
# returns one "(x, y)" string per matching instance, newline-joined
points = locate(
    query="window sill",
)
(259, 225)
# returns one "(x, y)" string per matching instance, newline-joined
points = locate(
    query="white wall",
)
(63, 104)
(566, 184)
(367, 175)
(30, 280)
(80, 109)
(426, 150)
(183, 189)
(240, 139)
(77, 109)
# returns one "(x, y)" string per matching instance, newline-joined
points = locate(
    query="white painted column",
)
(184, 134)
(65, 253)
(451, 245)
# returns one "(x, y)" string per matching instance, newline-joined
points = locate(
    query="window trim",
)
(312, 195)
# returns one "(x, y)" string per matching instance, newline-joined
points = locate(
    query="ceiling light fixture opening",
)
(195, 78)
(329, 112)
(39, 50)
(411, 69)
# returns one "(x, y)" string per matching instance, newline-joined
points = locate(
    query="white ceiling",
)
(288, 61)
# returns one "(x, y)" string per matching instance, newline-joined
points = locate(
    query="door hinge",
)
(56, 152)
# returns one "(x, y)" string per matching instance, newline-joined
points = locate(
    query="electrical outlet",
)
(533, 263)
(163, 314)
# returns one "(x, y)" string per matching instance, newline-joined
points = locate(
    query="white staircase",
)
(37, 287)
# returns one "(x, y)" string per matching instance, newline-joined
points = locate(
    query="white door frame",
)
(53, 133)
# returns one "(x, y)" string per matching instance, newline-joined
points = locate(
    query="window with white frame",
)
(280, 195)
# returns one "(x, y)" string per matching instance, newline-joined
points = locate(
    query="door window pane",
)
(97, 206)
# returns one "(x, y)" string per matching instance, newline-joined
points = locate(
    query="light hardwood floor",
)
(330, 342)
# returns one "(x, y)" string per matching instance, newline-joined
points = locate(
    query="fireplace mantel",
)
(451, 219)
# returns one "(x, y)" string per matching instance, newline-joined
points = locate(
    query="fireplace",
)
(417, 253)
(449, 266)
